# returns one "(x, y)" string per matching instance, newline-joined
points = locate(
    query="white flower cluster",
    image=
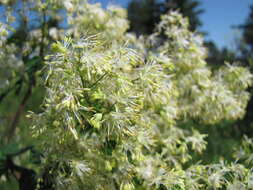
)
(123, 112)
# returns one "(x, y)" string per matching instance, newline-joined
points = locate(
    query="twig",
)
(23, 150)
(4, 94)
(100, 78)
(16, 118)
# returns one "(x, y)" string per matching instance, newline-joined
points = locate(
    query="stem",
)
(100, 78)
(4, 94)
(16, 118)
(21, 151)
(13, 126)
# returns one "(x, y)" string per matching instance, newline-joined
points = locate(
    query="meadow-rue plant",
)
(116, 105)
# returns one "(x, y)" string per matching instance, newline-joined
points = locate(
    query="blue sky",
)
(218, 18)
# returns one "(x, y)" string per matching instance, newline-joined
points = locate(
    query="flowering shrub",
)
(114, 112)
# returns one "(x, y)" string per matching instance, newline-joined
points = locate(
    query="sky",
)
(220, 16)
(218, 19)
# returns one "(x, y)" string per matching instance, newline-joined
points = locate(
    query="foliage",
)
(247, 29)
(244, 47)
(123, 112)
(111, 118)
(144, 15)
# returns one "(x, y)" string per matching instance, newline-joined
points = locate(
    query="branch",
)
(32, 82)
(16, 118)
(25, 177)
(21, 151)
(4, 94)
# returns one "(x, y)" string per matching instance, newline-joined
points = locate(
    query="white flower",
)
(118, 11)
(68, 5)
(53, 33)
